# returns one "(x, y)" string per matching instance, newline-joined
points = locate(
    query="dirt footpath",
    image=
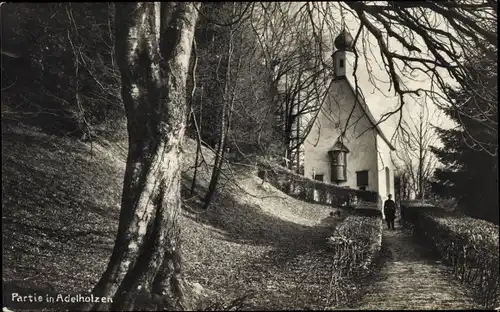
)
(412, 279)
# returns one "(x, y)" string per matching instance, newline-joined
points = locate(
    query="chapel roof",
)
(344, 41)
(366, 111)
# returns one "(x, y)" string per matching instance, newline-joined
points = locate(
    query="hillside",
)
(61, 200)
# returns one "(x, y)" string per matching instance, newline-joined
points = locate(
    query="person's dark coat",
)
(390, 209)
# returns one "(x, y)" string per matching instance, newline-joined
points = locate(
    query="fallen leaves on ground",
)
(61, 207)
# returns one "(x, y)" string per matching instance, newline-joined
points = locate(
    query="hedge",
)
(470, 246)
(355, 243)
(303, 188)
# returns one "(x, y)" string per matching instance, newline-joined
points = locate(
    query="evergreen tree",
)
(469, 152)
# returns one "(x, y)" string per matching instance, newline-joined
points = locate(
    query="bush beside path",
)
(412, 278)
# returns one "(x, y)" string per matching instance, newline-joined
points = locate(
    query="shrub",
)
(355, 244)
(470, 246)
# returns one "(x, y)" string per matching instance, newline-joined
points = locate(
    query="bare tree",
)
(153, 48)
(415, 160)
(298, 77)
(229, 83)
(401, 185)
(65, 52)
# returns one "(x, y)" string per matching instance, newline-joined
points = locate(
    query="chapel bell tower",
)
(343, 43)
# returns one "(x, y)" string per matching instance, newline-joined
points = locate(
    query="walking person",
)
(390, 212)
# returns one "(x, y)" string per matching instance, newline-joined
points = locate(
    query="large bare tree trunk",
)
(153, 47)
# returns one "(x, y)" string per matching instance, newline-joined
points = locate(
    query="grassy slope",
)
(60, 210)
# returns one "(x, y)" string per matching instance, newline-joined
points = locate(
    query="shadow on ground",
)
(295, 271)
(59, 214)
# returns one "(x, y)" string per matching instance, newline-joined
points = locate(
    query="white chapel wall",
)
(326, 131)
